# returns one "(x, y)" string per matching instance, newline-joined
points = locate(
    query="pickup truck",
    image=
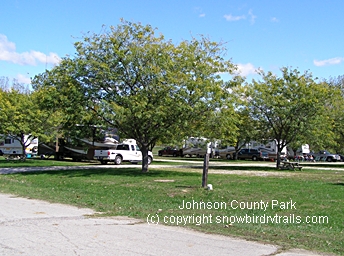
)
(124, 152)
(324, 155)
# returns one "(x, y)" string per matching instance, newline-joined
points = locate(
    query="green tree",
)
(247, 131)
(145, 86)
(66, 99)
(20, 115)
(246, 127)
(225, 124)
(289, 107)
(336, 110)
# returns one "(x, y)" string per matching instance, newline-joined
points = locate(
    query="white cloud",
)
(23, 79)
(230, 17)
(246, 69)
(333, 61)
(5, 45)
(252, 16)
(200, 12)
(274, 19)
(8, 53)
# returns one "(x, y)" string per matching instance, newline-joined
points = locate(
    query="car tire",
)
(150, 160)
(174, 154)
(159, 154)
(254, 158)
(118, 160)
(228, 157)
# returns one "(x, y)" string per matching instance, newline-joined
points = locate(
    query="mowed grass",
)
(36, 162)
(293, 198)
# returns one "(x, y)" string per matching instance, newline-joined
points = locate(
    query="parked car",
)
(341, 157)
(228, 154)
(169, 151)
(324, 155)
(253, 154)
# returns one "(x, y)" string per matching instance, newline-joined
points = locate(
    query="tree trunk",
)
(144, 150)
(236, 153)
(23, 156)
(278, 162)
(205, 171)
(23, 144)
(295, 152)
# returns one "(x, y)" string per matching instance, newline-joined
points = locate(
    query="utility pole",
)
(205, 170)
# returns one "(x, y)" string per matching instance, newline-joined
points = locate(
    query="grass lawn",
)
(36, 162)
(303, 209)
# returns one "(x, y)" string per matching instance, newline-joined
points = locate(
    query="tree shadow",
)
(338, 183)
(323, 164)
(128, 172)
(243, 168)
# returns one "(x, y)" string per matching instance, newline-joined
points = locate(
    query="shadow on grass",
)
(267, 168)
(244, 168)
(189, 186)
(328, 165)
(36, 162)
(128, 172)
(338, 183)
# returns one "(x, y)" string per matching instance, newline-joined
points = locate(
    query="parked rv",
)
(194, 152)
(11, 147)
(199, 147)
(299, 153)
(77, 149)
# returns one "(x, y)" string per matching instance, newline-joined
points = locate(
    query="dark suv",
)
(169, 151)
(247, 153)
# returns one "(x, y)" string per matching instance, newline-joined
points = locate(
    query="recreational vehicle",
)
(10, 146)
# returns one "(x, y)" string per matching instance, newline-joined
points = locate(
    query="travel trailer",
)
(270, 147)
(198, 147)
(10, 146)
(300, 152)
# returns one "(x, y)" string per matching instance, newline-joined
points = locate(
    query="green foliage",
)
(335, 112)
(21, 115)
(289, 108)
(148, 88)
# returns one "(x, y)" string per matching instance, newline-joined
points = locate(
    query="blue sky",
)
(265, 34)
